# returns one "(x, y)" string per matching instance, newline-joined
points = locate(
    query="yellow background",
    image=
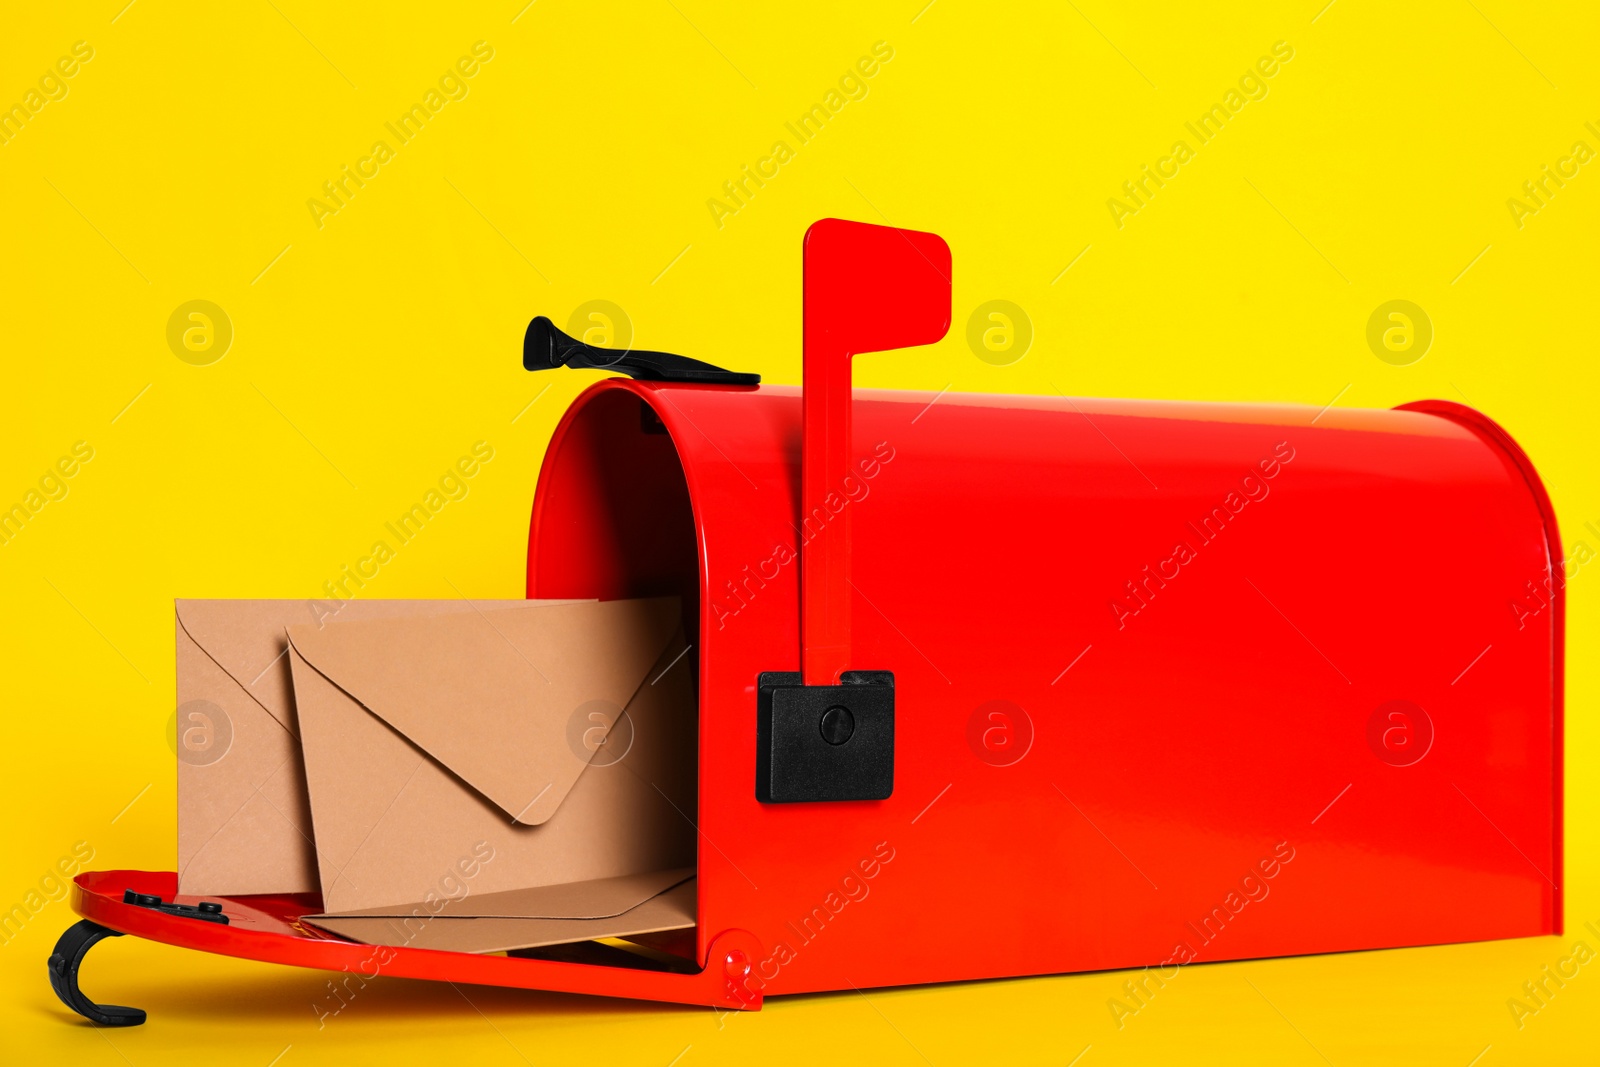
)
(375, 350)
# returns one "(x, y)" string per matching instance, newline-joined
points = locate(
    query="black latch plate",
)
(824, 742)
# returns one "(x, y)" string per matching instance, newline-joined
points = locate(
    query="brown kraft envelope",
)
(497, 922)
(244, 822)
(454, 756)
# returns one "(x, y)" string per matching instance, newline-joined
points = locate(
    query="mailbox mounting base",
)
(824, 742)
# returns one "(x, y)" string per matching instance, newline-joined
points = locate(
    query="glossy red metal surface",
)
(867, 289)
(1143, 650)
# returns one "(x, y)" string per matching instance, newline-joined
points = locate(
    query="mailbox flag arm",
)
(867, 289)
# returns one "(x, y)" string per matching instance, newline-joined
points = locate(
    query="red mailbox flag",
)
(867, 289)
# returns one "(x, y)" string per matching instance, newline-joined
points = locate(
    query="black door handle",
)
(545, 347)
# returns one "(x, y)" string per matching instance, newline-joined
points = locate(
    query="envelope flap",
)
(672, 910)
(597, 898)
(245, 639)
(502, 699)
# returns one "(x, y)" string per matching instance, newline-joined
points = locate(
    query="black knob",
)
(837, 725)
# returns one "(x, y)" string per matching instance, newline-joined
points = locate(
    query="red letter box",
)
(1009, 685)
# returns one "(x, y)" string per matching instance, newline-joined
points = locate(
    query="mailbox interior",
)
(613, 519)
